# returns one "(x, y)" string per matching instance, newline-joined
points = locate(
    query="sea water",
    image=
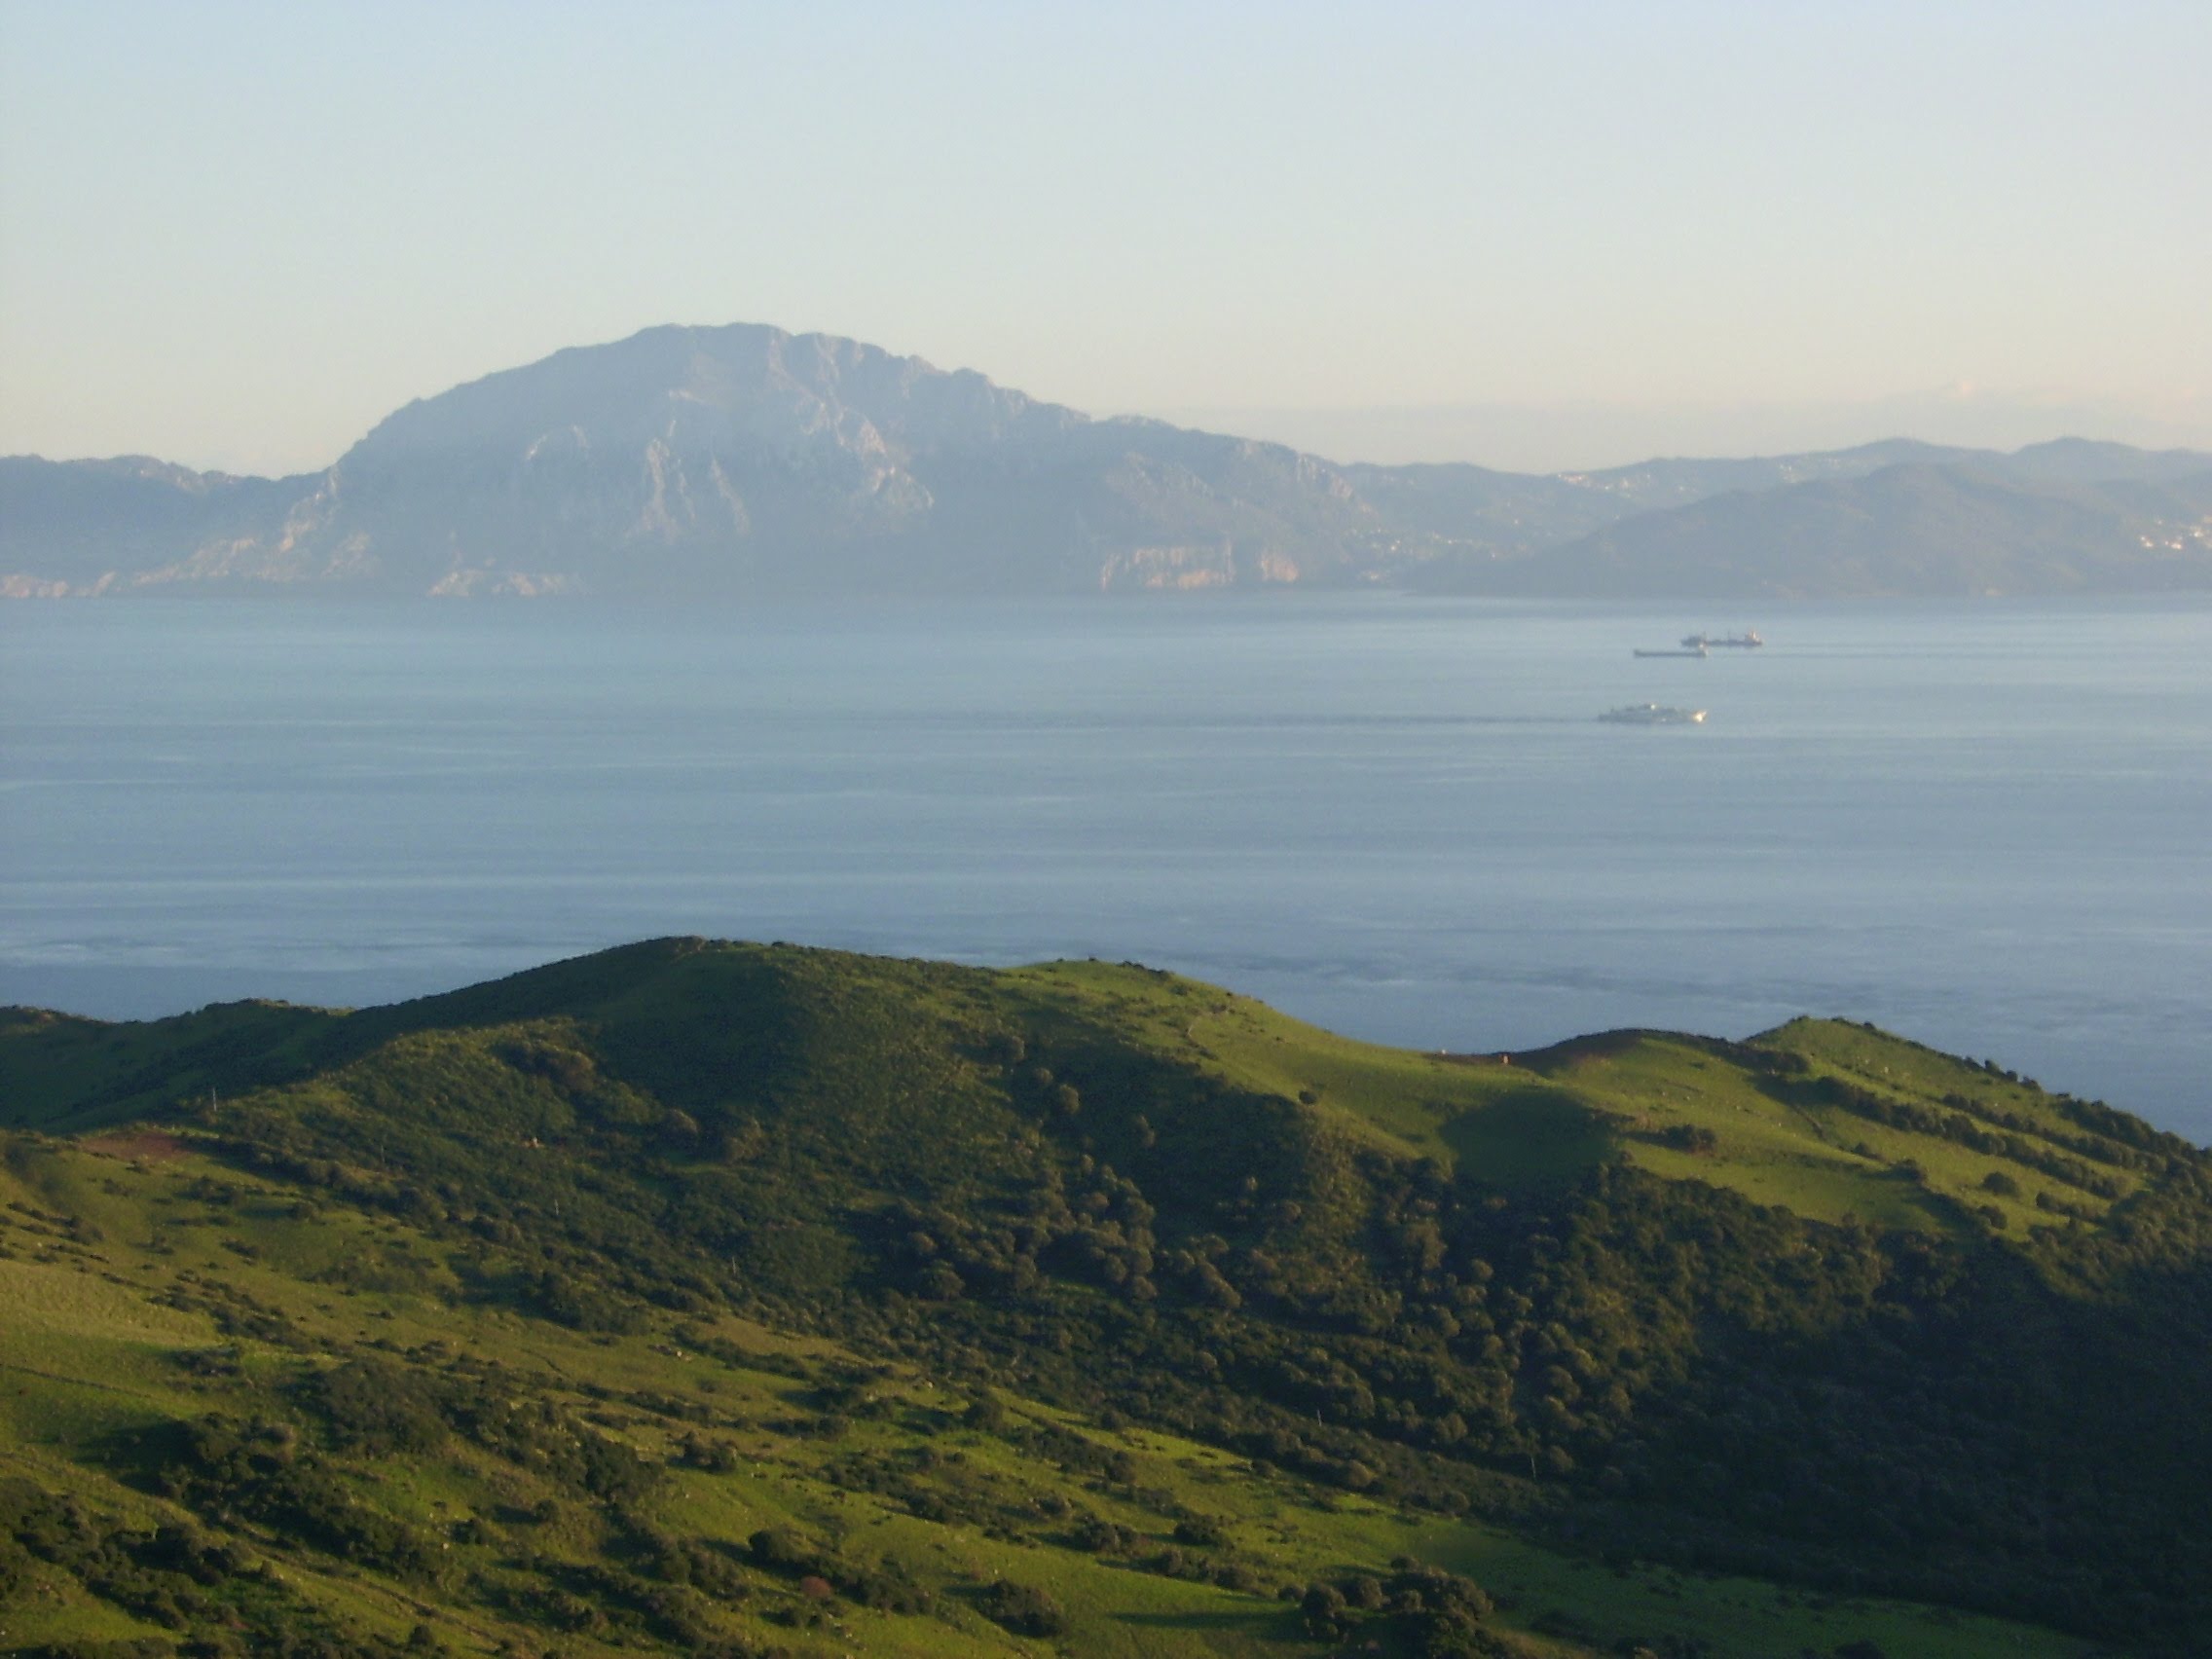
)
(1987, 825)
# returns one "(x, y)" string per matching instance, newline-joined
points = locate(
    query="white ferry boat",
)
(1653, 713)
(1744, 641)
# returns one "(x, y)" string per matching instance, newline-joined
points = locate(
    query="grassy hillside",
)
(726, 1298)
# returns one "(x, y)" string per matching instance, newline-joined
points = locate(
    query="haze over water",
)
(1983, 824)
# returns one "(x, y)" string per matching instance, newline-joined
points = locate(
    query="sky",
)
(1545, 237)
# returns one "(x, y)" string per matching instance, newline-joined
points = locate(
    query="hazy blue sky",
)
(1535, 236)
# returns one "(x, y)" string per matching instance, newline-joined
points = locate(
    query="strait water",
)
(1987, 825)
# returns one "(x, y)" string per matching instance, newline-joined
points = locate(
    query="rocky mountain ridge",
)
(742, 461)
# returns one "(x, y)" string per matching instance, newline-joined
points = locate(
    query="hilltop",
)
(1913, 527)
(724, 1297)
(743, 461)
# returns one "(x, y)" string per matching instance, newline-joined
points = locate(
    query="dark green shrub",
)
(1022, 1609)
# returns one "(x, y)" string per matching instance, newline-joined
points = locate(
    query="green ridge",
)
(715, 1298)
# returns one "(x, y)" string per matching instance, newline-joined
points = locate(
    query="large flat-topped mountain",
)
(692, 463)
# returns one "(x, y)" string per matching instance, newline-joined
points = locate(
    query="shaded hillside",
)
(1653, 486)
(80, 524)
(1450, 511)
(2083, 460)
(1828, 1309)
(1678, 481)
(1907, 530)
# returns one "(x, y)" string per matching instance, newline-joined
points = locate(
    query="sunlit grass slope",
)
(702, 1298)
(148, 1286)
(1785, 1117)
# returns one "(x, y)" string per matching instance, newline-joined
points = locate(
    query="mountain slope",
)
(697, 464)
(1656, 485)
(236, 1421)
(701, 461)
(1910, 529)
(88, 525)
(1828, 1308)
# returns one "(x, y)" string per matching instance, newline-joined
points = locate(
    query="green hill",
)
(720, 1298)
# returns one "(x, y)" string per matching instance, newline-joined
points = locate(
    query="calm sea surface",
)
(1987, 825)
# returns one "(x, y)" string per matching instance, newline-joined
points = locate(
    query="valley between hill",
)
(712, 1297)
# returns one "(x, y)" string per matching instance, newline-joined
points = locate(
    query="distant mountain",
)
(1913, 529)
(743, 459)
(2079, 460)
(1676, 482)
(701, 462)
(93, 525)
(1446, 509)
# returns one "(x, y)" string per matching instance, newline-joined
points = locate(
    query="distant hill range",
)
(742, 461)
